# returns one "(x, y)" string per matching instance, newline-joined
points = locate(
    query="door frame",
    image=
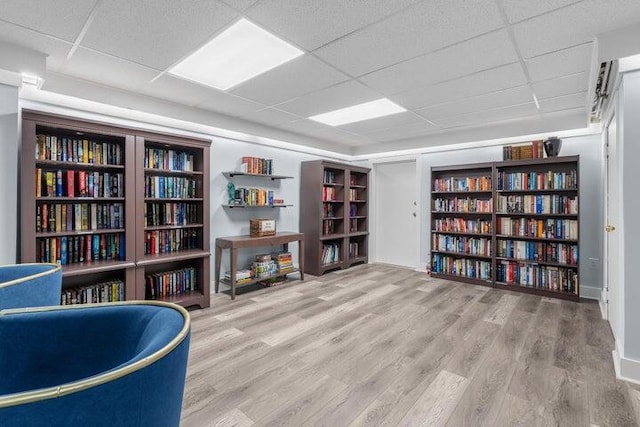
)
(373, 256)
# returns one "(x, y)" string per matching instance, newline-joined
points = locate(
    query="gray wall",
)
(591, 189)
(629, 153)
(9, 168)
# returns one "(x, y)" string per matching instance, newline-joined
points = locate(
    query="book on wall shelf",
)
(334, 215)
(529, 238)
(82, 184)
(253, 168)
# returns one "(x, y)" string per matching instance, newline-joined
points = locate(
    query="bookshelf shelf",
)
(165, 172)
(55, 164)
(172, 257)
(173, 227)
(81, 269)
(326, 192)
(505, 186)
(232, 174)
(80, 233)
(226, 205)
(80, 199)
(173, 199)
(261, 279)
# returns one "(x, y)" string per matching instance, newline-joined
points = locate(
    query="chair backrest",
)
(115, 364)
(30, 285)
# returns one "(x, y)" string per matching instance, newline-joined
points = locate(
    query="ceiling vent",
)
(603, 88)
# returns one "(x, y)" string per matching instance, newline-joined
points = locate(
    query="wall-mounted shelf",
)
(255, 206)
(232, 174)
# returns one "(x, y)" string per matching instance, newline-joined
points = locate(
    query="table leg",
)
(301, 258)
(234, 268)
(218, 262)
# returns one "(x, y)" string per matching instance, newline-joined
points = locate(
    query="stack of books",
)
(532, 150)
(242, 276)
(284, 262)
(264, 267)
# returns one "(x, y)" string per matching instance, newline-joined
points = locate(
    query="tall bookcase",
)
(511, 224)
(334, 215)
(83, 205)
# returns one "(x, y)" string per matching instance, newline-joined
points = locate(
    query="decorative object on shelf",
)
(68, 365)
(552, 146)
(231, 192)
(259, 227)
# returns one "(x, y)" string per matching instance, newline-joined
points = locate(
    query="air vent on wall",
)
(602, 90)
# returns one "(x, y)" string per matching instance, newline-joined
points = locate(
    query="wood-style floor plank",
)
(378, 345)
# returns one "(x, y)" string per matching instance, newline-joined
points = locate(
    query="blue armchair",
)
(113, 364)
(30, 285)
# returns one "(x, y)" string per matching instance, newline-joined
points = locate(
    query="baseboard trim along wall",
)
(626, 369)
(590, 292)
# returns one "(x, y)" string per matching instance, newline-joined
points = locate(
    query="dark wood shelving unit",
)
(508, 185)
(231, 206)
(84, 148)
(334, 215)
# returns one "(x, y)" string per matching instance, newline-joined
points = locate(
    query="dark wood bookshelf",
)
(122, 151)
(321, 179)
(172, 256)
(509, 180)
(172, 227)
(278, 205)
(173, 199)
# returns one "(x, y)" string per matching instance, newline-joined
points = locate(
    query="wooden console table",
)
(233, 243)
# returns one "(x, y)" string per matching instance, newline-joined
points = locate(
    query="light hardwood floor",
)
(382, 345)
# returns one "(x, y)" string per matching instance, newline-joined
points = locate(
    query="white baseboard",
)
(603, 305)
(590, 292)
(626, 369)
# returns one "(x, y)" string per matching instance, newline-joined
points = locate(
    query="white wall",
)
(9, 168)
(591, 189)
(226, 155)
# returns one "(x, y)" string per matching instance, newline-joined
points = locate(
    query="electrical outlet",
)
(594, 262)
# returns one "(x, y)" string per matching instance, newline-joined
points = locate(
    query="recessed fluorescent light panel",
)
(356, 113)
(238, 54)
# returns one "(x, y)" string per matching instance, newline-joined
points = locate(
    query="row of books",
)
(70, 183)
(354, 249)
(353, 209)
(77, 150)
(169, 283)
(461, 225)
(461, 244)
(329, 193)
(354, 194)
(159, 158)
(540, 228)
(264, 269)
(166, 241)
(59, 217)
(463, 204)
(480, 183)
(256, 165)
(329, 226)
(462, 267)
(284, 261)
(110, 291)
(538, 204)
(549, 180)
(353, 224)
(328, 210)
(538, 276)
(158, 214)
(560, 253)
(169, 187)
(532, 150)
(242, 276)
(330, 253)
(329, 177)
(77, 249)
(254, 197)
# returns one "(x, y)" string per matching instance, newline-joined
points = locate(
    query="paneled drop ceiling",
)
(460, 67)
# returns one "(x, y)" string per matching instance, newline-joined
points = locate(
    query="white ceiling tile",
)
(573, 25)
(395, 120)
(503, 98)
(488, 81)
(565, 102)
(229, 104)
(179, 90)
(561, 86)
(428, 26)
(240, 4)
(56, 50)
(270, 116)
(560, 63)
(312, 23)
(487, 51)
(61, 18)
(97, 67)
(489, 116)
(295, 78)
(519, 10)
(402, 132)
(332, 98)
(156, 34)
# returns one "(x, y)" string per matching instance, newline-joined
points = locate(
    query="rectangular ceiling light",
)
(369, 110)
(238, 54)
